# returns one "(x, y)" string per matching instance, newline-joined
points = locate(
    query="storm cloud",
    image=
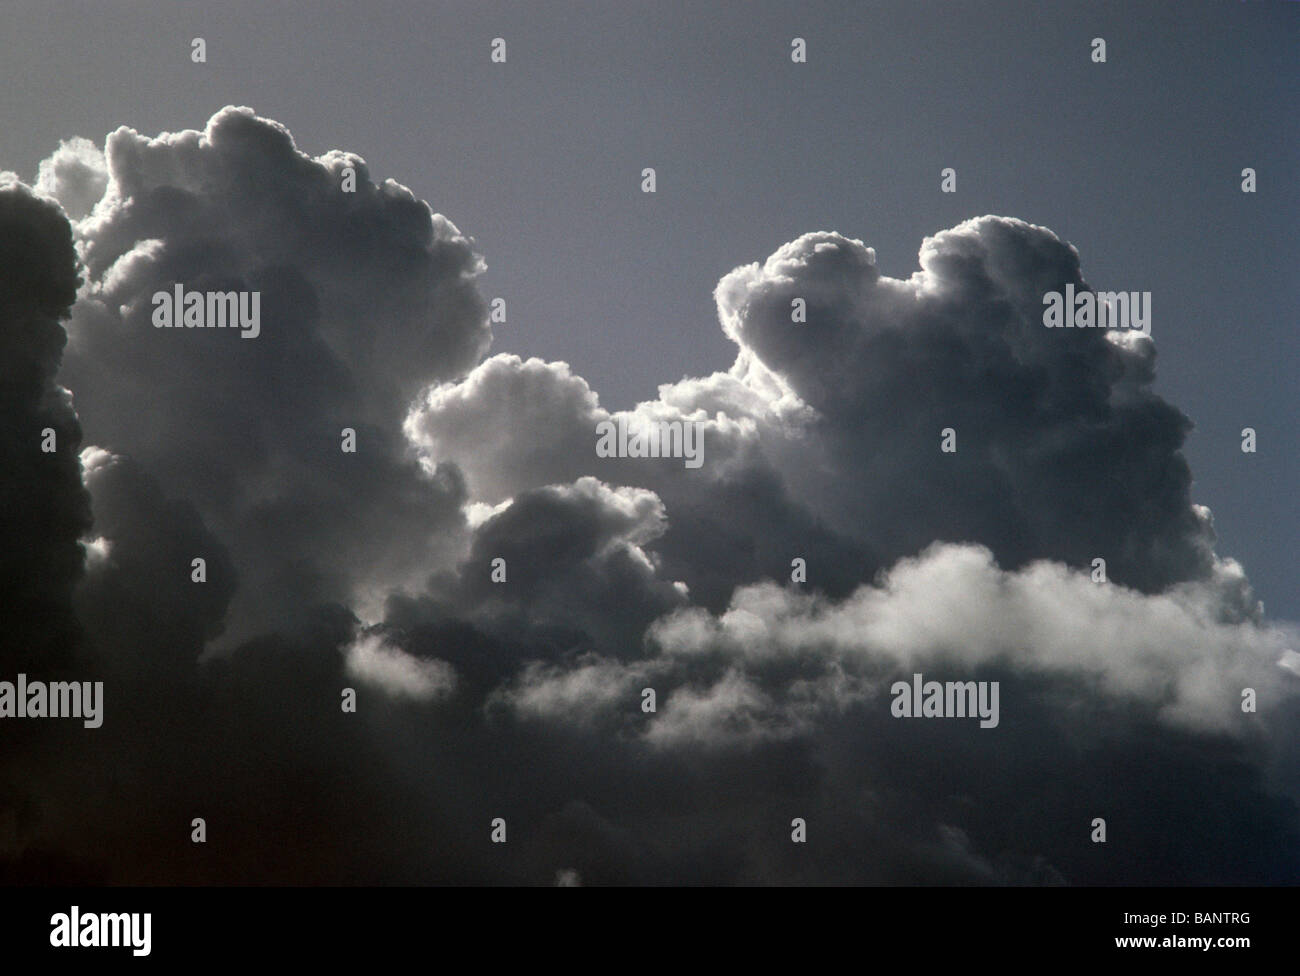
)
(505, 602)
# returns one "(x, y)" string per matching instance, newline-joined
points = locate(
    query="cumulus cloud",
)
(365, 297)
(831, 427)
(76, 176)
(502, 597)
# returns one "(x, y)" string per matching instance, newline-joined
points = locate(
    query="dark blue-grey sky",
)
(1136, 162)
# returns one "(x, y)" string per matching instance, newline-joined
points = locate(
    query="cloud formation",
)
(501, 598)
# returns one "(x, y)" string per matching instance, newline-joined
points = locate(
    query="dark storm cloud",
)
(523, 699)
(1064, 454)
(138, 598)
(43, 507)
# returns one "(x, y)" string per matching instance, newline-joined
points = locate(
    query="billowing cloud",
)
(75, 175)
(649, 668)
(365, 296)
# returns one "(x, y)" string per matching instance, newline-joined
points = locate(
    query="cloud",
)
(139, 602)
(567, 561)
(397, 673)
(365, 297)
(513, 426)
(832, 426)
(1063, 450)
(76, 176)
(779, 654)
(45, 509)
